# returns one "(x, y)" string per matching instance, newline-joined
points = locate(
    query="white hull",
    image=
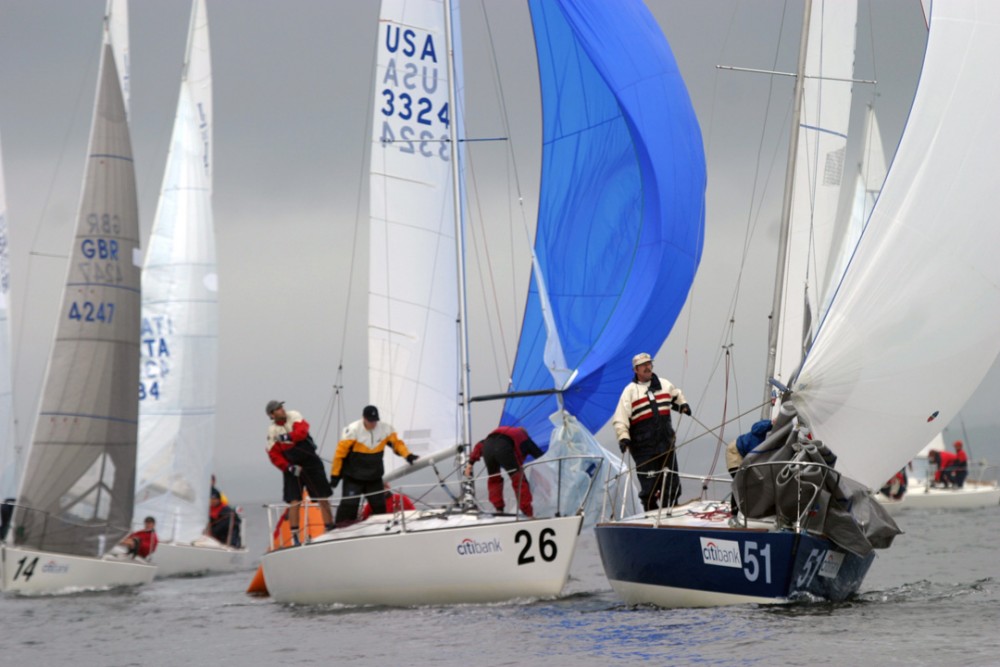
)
(32, 572)
(669, 597)
(203, 556)
(970, 496)
(440, 559)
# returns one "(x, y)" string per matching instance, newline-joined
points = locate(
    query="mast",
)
(468, 488)
(786, 212)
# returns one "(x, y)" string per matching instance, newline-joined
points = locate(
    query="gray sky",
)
(292, 105)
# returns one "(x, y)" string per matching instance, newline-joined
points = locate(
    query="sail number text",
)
(414, 99)
(812, 566)
(100, 261)
(155, 345)
(756, 560)
(28, 570)
(547, 548)
(89, 311)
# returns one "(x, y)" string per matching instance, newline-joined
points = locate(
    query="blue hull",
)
(693, 566)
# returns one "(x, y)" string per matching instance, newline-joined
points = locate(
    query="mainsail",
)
(621, 216)
(413, 356)
(868, 178)
(177, 385)
(10, 459)
(915, 324)
(817, 175)
(77, 492)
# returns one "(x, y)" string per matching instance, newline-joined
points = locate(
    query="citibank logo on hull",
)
(720, 552)
(470, 547)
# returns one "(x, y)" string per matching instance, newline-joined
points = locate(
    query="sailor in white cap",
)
(642, 424)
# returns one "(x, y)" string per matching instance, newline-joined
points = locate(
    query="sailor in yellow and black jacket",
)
(642, 424)
(358, 461)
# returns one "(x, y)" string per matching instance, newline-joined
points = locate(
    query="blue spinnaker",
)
(621, 216)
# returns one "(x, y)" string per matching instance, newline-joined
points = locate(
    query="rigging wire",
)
(488, 282)
(39, 226)
(725, 358)
(335, 410)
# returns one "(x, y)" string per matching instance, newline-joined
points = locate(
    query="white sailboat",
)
(894, 321)
(177, 386)
(451, 555)
(454, 549)
(76, 496)
(979, 489)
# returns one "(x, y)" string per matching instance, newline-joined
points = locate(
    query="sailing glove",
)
(684, 409)
(624, 444)
(410, 458)
(295, 470)
(334, 481)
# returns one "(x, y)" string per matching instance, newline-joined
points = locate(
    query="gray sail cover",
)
(832, 506)
(76, 494)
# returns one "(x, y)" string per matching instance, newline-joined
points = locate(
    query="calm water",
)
(932, 599)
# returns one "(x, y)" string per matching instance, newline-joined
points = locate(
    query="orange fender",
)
(282, 537)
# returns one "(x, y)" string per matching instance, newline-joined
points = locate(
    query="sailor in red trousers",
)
(506, 447)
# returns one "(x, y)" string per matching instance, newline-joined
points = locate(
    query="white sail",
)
(10, 458)
(180, 316)
(77, 492)
(915, 325)
(413, 342)
(868, 179)
(117, 22)
(819, 169)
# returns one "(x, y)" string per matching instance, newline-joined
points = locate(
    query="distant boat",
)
(76, 496)
(609, 157)
(979, 489)
(179, 346)
(894, 322)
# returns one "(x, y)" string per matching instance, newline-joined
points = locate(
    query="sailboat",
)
(861, 389)
(177, 384)
(920, 493)
(76, 496)
(458, 551)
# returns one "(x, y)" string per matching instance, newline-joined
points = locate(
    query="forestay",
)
(177, 385)
(915, 324)
(77, 492)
